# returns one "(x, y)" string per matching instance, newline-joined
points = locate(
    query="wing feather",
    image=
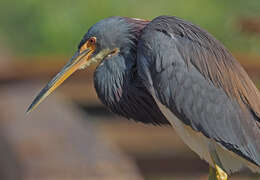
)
(193, 75)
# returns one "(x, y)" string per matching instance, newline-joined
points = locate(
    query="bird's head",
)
(103, 40)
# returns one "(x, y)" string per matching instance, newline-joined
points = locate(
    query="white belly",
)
(202, 145)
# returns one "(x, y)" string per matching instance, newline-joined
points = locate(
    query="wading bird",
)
(171, 72)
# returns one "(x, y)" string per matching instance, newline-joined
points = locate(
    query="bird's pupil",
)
(92, 40)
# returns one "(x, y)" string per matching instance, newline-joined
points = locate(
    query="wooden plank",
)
(79, 87)
(59, 142)
(10, 168)
(37, 69)
(56, 140)
(47, 67)
(159, 152)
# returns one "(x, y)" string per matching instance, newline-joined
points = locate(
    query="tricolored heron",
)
(171, 72)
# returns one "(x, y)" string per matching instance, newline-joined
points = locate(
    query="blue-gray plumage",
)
(116, 80)
(170, 71)
(181, 86)
(122, 91)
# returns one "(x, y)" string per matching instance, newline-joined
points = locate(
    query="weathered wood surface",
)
(159, 152)
(59, 142)
(47, 67)
(79, 87)
(10, 168)
(45, 141)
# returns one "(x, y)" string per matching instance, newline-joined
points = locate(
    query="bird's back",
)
(196, 77)
(212, 60)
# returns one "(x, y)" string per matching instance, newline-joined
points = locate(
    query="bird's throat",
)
(96, 58)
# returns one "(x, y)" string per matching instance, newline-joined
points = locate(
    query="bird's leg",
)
(220, 174)
(216, 173)
(212, 173)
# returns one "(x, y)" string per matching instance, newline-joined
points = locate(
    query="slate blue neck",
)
(113, 74)
(119, 87)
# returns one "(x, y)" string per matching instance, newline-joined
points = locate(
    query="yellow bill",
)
(77, 61)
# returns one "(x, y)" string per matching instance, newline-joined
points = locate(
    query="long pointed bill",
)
(77, 61)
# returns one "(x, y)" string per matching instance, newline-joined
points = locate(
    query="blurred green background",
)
(55, 27)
